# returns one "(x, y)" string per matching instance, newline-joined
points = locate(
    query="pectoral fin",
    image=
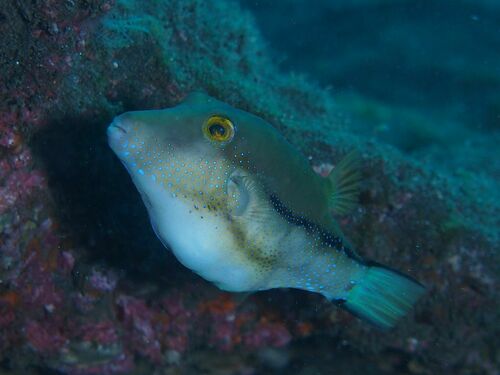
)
(247, 199)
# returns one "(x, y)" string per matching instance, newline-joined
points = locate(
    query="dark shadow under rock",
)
(97, 202)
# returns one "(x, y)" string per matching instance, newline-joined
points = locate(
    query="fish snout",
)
(119, 126)
(121, 123)
(118, 132)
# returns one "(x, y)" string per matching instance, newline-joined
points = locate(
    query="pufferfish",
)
(241, 207)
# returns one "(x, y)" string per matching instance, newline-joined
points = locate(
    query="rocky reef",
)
(85, 287)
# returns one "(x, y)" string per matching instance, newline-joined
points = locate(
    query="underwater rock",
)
(85, 287)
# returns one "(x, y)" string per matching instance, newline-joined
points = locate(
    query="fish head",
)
(187, 162)
(184, 148)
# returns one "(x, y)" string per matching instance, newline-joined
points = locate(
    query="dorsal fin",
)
(345, 179)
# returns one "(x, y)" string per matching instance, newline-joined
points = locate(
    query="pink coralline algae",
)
(102, 333)
(44, 338)
(18, 179)
(140, 329)
(19, 185)
(229, 328)
(323, 169)
(176, 323)
(103, 281)
(267, 334)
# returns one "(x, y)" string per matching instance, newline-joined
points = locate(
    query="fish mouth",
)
(117, 135)
(118, 127)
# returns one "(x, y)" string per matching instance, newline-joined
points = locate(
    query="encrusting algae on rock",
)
(241, 207)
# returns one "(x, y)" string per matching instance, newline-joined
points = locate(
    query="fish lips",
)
(117, 135)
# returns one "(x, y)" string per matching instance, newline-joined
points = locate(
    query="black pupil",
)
(217, 130)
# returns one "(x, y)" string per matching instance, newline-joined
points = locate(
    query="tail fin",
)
(383, 296)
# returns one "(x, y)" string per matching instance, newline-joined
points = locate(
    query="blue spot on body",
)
(141, 172)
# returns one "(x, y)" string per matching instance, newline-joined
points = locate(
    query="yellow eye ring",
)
(218, 128)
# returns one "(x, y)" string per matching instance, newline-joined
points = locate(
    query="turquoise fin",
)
(383, 296)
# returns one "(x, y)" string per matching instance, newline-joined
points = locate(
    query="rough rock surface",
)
(85, 288)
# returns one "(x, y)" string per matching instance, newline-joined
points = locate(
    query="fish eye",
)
(218, 128)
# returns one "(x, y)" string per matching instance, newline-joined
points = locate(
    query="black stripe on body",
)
(326, 238)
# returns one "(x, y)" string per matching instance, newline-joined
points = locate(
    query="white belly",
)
(200, 240)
